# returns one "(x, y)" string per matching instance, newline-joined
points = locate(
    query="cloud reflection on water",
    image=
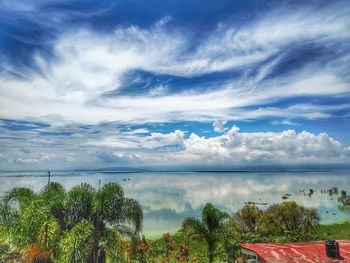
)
(169, 197)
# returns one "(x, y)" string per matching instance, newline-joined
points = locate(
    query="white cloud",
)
(71, 89)
(27, 161)
(138, 131)
(89, 64)
(237, 148)
(112, 147)
(154, 140)
(285, 122)
(218, 125)
(221, 189)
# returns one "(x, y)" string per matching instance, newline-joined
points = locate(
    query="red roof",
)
(299, 252)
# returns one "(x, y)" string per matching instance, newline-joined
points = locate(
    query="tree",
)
(296, 221)
(54, 196)
(79, 204)
(28, 220)
(269, 226)
(112, 208)
(231, 238)
(209, 228)
(248, 218)
(286, 221)
(16, 215)
(76, 225)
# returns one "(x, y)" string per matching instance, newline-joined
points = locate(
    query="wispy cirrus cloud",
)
(71, 85)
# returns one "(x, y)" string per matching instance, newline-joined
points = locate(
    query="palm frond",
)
(133, 213)
(49, 234)
(32, 219)
(19, 197)
(79, 204)
(195, 226)
(109, 202)
(76, 245)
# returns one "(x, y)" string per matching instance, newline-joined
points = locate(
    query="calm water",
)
(168, 197)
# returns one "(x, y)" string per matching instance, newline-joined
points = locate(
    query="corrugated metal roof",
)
(314, 252)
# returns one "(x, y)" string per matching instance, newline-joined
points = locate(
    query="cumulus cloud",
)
(265, 147)
(271, 148)
(112, 147)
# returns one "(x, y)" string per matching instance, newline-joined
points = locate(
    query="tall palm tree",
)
(54, 196)
(209, 228)
(112, 208)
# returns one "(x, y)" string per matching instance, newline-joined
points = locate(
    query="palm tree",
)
(104, 209)
(112, 208)
(74, 224)
(209, 228)
(54, 196)
(16, 209)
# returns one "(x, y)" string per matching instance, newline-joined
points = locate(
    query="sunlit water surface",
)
(169, 197)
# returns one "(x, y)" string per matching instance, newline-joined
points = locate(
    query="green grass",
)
(335, 231)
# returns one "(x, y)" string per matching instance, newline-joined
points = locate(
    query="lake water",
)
(168, 197)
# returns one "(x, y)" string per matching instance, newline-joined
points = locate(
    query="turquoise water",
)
(168, 197)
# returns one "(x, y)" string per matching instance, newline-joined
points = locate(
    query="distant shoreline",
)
(186, 171)
(8, 174)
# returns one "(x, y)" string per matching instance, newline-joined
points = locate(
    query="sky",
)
(181, 84)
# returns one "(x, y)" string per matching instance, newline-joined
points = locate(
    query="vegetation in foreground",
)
(90, 225)
(82, 225)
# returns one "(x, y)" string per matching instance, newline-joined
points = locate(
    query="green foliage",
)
(210, 228)
(296, 222)
(132, 213)
(269, 224)
(113, 245)
(49, 236)
(89, 225)
(109, 202)
(9, 225)
(76, 244)
(248, 217)
(228, 233)
(83, 224)
(230, 239)
(19, 197)
(286, 221)
(54, 196)
(79, 204)
(32, 219)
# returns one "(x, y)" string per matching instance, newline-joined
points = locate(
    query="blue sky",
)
(93, 84)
